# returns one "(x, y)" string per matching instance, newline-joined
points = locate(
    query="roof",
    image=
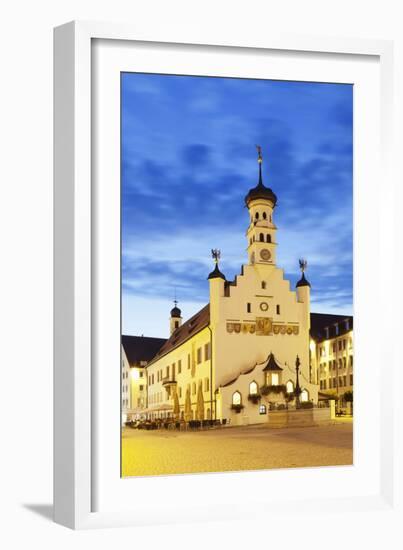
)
(216, 273)
(192, 326)
(260, 191)
(176, 312)
(303, 281)
(321, 321)
(272, 364)
(141, 348)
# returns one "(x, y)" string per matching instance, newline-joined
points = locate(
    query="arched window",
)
(253, 388)
(268, 238)
(290, 386)
(262, 409)
(263, 284)
(236, 398)
(257, 215)
(264, 215)
(261, 238)
(304, 395)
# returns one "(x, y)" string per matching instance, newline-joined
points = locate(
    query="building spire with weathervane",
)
(216, 273)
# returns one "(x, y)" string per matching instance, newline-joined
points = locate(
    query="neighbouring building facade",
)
(136, 352)
(332, 354)
(248, 349)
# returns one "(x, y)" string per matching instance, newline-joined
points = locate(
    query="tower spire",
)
(259, 160)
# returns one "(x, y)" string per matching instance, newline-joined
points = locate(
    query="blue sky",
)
(188, 160)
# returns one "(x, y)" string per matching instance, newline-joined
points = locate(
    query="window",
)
(351, 379)
(268, 238)
(206, 384)
(344, 362)
(274, 379)
(262, 409)
(199, 355)
(194, 388)
(257, 215)
(344, 380)
(261, 238)
(263, 284)
(141, 387)
(141, 374)
(176, 324)
(179, 392)
(179, 366)
(236, 398)
(207, 351)
(248, 307)
(340, 345)
(253, 388)
(330, 383)
(278, 309)
(189, 361)
(289, 386)
(168, 371)
(324, 384)
(344, 344)
(304, 395)
(264, 215)
(334, 347)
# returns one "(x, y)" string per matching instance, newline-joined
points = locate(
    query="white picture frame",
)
(79, 312)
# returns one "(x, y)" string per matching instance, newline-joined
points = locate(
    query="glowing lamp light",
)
(135, 374)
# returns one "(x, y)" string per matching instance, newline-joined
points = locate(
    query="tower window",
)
(248, 307)
(176, 324)
(278, 309)
(250, 241)
(257, 215)
(263, 284)
(264, 215)
(261, 237)
(268, 238)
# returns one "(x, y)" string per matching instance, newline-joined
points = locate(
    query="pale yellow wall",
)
(158, 395)
(235, 353)
(125, 381)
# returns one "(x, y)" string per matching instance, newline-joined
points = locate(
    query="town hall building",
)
(248, 350)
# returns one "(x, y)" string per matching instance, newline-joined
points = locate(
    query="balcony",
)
(168, 381)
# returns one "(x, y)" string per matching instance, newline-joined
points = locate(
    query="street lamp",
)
(297, 386)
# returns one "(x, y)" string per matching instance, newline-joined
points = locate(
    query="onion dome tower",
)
(176, 317)
(261, 201)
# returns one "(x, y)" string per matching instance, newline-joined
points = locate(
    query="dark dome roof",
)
(216, 274)
(176, 312)
(261, 192)
(303, 281)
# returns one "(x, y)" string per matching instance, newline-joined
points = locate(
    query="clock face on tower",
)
(265, 254)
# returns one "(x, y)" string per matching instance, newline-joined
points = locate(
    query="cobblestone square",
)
(162, 452)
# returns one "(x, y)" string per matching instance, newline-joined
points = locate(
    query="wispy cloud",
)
(188, 160)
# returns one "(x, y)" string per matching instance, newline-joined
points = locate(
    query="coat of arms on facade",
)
(263, 326)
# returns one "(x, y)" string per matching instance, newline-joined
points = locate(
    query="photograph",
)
(236, 274)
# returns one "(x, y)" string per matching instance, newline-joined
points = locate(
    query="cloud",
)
(187, 167)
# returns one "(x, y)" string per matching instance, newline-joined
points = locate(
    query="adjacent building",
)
(332, 354)
(136, 352)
